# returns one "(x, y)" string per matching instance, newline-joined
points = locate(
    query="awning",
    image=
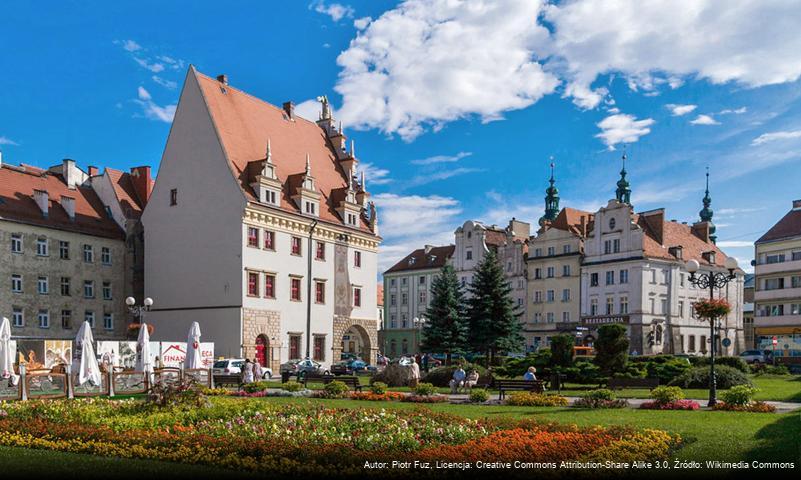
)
(777, 330)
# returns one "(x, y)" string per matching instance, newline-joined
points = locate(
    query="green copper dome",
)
(623, 192)
(551, 201)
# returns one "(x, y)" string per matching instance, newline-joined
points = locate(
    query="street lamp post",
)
(418, 325)
(309, 290)
(712, 280)
(138, 311)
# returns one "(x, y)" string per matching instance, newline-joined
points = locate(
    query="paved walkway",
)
(781, 407)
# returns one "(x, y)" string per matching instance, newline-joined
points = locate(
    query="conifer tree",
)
(446, 328)
(492, 313)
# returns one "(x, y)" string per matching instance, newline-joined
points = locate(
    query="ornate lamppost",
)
(712, 280)
(138, 311)
(418, 326)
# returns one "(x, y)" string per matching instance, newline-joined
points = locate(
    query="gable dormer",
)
(347, 203)
(361, 193)
(306, 196)
(266, 184)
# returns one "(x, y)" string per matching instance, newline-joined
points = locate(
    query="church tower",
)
(551, 201)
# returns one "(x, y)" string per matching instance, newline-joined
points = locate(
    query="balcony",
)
(768, 268)
(776, 294)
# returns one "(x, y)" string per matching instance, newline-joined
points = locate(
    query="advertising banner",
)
(57, 352)
(108, 354)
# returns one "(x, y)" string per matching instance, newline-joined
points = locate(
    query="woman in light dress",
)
(247, 371)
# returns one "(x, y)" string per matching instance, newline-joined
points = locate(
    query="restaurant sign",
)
(605, 319)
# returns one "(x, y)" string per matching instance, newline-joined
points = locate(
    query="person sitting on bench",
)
(530, 374)
(457, 381)
(471, 380)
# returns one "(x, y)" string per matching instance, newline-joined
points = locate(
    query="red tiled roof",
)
(569, 219)
(437, 257)
(244, 123)
(126, 194)
(496, 238)
(17, 204)
(789, 226)
(676, 234)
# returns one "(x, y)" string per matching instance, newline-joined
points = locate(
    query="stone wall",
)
(257, 322)
(368, 328)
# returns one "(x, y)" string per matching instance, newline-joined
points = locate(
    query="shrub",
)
(739, 395)
(677, 405)
(667, 394)
(733, 362)
(256, 387)
(584, 371)
(336, 389)
(479, 395)
(667, 370)
(378, 388)
(698, 377)
(292, 386)
(177, 394)
(772, 370)
(516, 367)
(562, 350)
(601, 394)
(612, 348)
(600, 398)
(754, 407)
(529, 399)
(441, 376)
(425, 398)
(425, 389)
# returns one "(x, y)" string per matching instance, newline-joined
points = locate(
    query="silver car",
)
(303, 367)
(754, 357)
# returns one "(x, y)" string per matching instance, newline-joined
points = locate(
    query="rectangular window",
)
(294, 347)
(108, 321)
(253, 237)
(681, 308)
(565, 270)
(393, 299)
(294, 293)
(566, 249)
(393, 321)
(41, 247)
(253, 284)
(16, 243)
(269, 285)
(44, 319)
(610, 305)
(551, 251)
(549, 317)
(404, 321)
(357, 297)
(795, 281)
(105, 255)
(421, 280)
(468, 255)
(777, 258)
(42, 286)
(17, 317)
(64, 250)
(549, 296)
(320, 254)
(537, 273)
(624, 276)
(319, 292)
(550, 272)
(88, 289)
(66, 319)
(106, 290)
(691, 346)
(538, 296)
(796, 256)
(566, 295)
(538, 252)
(565, 317)
(65, 286)
(664, 307)
(357, 258)
(88, 254)
(422, 296)
(624, 305)
(319, 348)
(89, 316)
(16, 283)
(296, 246)
(173, 197)
(269, 240)
(404, 298)
(610, 278)
(616, 245)
(774, 283)
(594, 306)
(607, 247)
(593, 279)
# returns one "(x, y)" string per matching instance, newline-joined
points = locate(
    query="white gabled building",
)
(240, 186)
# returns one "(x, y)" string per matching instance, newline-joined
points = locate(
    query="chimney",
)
(519, 229)
(92, 171)
(69, 173)
(655, 219)
(223, 79)
(796, 203)
(701, 230)
(583, 226)
(69, 206)
(41, 198)
(142, 183)
(428, 248)
(289, 108)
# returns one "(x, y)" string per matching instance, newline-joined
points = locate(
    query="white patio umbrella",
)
(7, 356)
(193, 358)
(84, 360)
(143, 362)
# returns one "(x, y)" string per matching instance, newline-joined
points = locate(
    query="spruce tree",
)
(612, 348)
(492, 313)
(446, 328)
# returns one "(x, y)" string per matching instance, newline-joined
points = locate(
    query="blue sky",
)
(456, 107)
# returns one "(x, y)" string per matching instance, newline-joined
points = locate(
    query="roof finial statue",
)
(353, 148)
(623, 192)
(308, 164)
(269, 152)
(325, 113)
(707, 213)
(551, 199)
(364, 182)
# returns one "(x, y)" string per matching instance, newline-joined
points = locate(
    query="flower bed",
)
(674, 405)
(754, 407)
(528, 399)
(254, 435)
(376, 397)
(425, 398)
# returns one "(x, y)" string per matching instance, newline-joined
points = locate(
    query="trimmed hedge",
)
(733, 362)
(698, 377)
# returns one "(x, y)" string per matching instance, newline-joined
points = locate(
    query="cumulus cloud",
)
(374, 175)
(425, 63)
(170, 84)
(151, 109)
(623, 128)
(310, 109)
(679, 110)
(361, 23)
(130, 45)
(773, 136)
(336, 11)
(704, 120)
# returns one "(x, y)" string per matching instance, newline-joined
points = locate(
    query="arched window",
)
(393, 348)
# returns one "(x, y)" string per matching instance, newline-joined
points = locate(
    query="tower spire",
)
(551, 199)
(623, 192)
(707, 213)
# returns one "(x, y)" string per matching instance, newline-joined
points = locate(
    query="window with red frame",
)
(357, 259)
(269, 286)
(269, 240)
(319, 349)
(319, 292)
(295, 245)
(294, 347)
(253, 284)
(357, 297)
(253, 237)
(295, 289)
(320, 251)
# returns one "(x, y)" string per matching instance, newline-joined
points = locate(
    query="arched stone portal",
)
(356, 334)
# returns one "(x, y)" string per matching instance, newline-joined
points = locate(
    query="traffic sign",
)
(726, 342)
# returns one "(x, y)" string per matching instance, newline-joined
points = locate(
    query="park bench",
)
(306, 377)
(234, 380)
(536, 386)
(351, 381)
(621, 383)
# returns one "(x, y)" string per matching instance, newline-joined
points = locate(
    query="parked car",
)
(303, 367)
(755, 357)
(228, 366)
(347, 356)
(348, 367)
(267, 373)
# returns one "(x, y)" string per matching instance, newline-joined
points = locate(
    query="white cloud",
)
(151, 109)
(735, 244)
(154, 67)
(410, 222)
(426, 63)
(623, 128)
(736, 111)
(679, 110)
(441, 159)
(336, 11)
(7, 141)
(131, 46)
(435, 176)
(374, 175)
(310, 109)
(773, 136)
(170, 84)
(361, 23)
(704, 120)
